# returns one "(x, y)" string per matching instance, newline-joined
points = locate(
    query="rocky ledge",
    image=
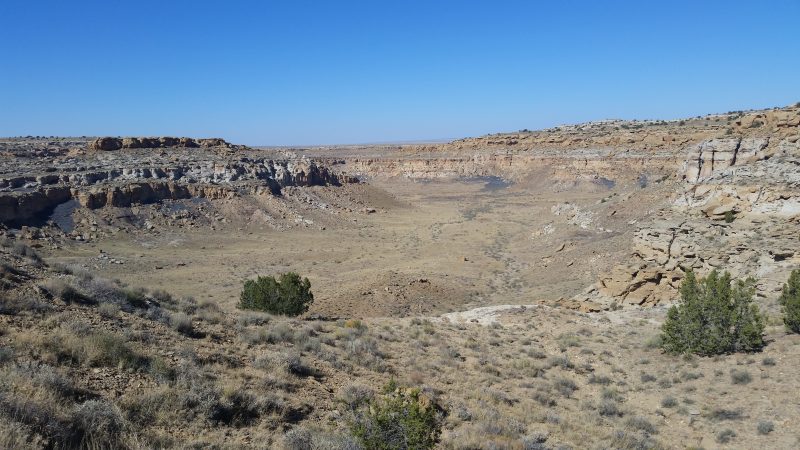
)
(115, 143)
(31, 187)
(738, 210)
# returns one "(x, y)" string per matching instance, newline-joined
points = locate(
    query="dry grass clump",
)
(13, 303)
(312, 438)
(25, 251)
(41, 407)
(94, 349)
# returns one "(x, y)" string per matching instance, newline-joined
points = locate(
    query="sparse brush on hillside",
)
(713, 317)
(790, 301)
(402, 419)
(289, 295)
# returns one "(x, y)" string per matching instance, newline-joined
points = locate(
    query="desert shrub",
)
(566, 340)
(65, 291)
(633, 440)
(535, 441)
(181, 323)
(251, 318)
(561, 361)
(135, 297)
(768, 361)
(642, 424)
(108, 310)
(544, 399)
(289, 295)
(6, 354)
(102, 425)
(565, 386)
(608, 408)
(611, 394)
(653, 342)
(239, 407)
(765, 427)
(14, 303)
(112, 350)
(355, 395)
(647, 378)
(725, 436)
(790, 301)
(726, 414)
(210, 312)
(160, 370)
(93, 349)
(100, 290)
(730, 216)
(669, 402)
(402, 419)
(301, 438)
(714, 317)
(34, 419)
(18, 436)
(25, 251)
(740, 376)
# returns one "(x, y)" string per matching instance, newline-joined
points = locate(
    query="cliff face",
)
(128, 177)
(743, 167)
(738, 210)
(577, 164)
(615, 150)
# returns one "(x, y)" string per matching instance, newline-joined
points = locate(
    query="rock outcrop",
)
(119, 179)
(574, 165)
(113, 143)
(739, 211)
(106, 144)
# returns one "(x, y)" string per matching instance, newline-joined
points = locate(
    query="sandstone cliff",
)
(31, 188)
(738, 210)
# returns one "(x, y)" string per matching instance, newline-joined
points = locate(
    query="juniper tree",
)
(790, 300)
(289, 295)
(714, 317)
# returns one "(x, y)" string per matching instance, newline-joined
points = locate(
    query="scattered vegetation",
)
(402, 419)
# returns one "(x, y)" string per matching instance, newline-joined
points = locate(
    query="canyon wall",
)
(123, 178)
(738, 210)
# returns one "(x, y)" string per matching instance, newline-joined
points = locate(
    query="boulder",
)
(212, 142)
(131, 142)
(106, 144)
(169, 142)
(188, 142)
(150, 142)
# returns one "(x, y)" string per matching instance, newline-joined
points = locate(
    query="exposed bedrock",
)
(571, 165)
(739, 211)
(26, 198)
(114, 143)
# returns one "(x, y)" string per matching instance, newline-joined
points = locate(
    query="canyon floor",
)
(519, 280)
(429, 247)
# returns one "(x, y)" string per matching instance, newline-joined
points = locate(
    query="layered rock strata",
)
(739, 210)
(132, 176)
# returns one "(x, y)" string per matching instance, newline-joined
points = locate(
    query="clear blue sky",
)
(301, 72)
